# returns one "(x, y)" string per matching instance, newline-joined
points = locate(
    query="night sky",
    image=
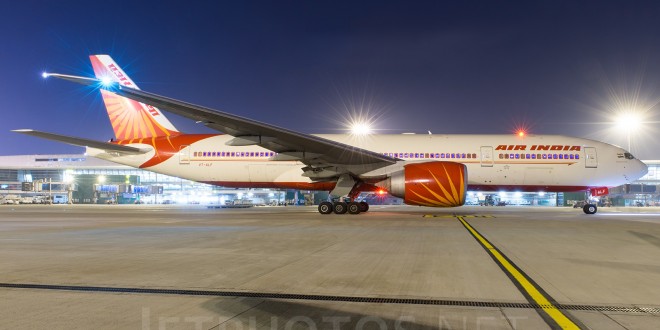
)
(558, 67)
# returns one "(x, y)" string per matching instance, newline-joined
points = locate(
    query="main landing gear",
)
(343, 207)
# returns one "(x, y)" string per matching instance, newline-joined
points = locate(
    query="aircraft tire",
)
(325, 208)
(590, 208)
(364, 207)
(353, 208)
(340, 208)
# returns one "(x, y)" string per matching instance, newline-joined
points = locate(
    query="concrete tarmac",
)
(394, 267)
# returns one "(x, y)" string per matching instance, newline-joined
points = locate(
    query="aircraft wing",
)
(323, 156)
(110, 147)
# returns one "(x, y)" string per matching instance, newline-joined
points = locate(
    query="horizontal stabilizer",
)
(110, 147)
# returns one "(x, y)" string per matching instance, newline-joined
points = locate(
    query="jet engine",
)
(435, 184)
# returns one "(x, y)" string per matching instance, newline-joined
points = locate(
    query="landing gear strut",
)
(346, 186)
(589, 208)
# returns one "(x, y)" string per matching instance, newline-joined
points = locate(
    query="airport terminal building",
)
(89, 180)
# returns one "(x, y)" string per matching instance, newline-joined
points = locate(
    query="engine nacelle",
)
(435, 184)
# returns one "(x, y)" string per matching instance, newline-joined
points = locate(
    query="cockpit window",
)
(629, 155)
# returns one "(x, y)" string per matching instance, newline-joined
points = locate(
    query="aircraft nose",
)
(641, 169)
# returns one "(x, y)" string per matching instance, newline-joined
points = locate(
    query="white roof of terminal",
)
(56, 161)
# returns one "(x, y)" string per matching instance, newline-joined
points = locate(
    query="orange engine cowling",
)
(436, 184)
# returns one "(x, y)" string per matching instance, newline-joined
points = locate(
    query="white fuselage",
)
(530, 163)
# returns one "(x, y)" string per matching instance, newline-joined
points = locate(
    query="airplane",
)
(426, 170)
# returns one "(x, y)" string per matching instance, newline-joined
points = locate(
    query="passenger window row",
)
(233, 154)
(539, 156)
(422, 155)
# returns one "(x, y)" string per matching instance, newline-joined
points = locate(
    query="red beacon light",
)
(521, 134)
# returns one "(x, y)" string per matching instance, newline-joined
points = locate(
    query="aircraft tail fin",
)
(130, 119)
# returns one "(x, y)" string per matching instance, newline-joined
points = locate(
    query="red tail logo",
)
(130, 119)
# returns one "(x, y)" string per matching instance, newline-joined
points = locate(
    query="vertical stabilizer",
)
(130, 119)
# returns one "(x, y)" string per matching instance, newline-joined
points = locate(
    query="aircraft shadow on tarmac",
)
(647, 238)
(268, 313)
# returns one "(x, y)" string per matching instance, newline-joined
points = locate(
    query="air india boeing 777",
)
(427, 170)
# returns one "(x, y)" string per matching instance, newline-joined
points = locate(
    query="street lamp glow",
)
(101, 179)
(629, 121)
(360, 129)
(68, 176)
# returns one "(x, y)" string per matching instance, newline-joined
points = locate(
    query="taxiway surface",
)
(189, 267)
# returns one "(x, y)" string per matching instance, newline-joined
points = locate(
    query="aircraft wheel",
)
(590, 208)
(340, 207)
(325, 208)
(364, 207)
(354, 208)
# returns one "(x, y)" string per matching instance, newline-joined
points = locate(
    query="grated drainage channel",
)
(290, 296)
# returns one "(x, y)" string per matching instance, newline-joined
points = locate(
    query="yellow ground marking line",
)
(523, 282)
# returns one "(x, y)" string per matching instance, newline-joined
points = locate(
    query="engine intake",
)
(435, 184)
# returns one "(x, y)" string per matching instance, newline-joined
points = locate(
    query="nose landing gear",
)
(590, 208)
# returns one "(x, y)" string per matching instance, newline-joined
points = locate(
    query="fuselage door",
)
(590, 159)
(184, 154)
(486, 156)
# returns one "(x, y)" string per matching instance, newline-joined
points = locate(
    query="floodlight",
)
(360, 129)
